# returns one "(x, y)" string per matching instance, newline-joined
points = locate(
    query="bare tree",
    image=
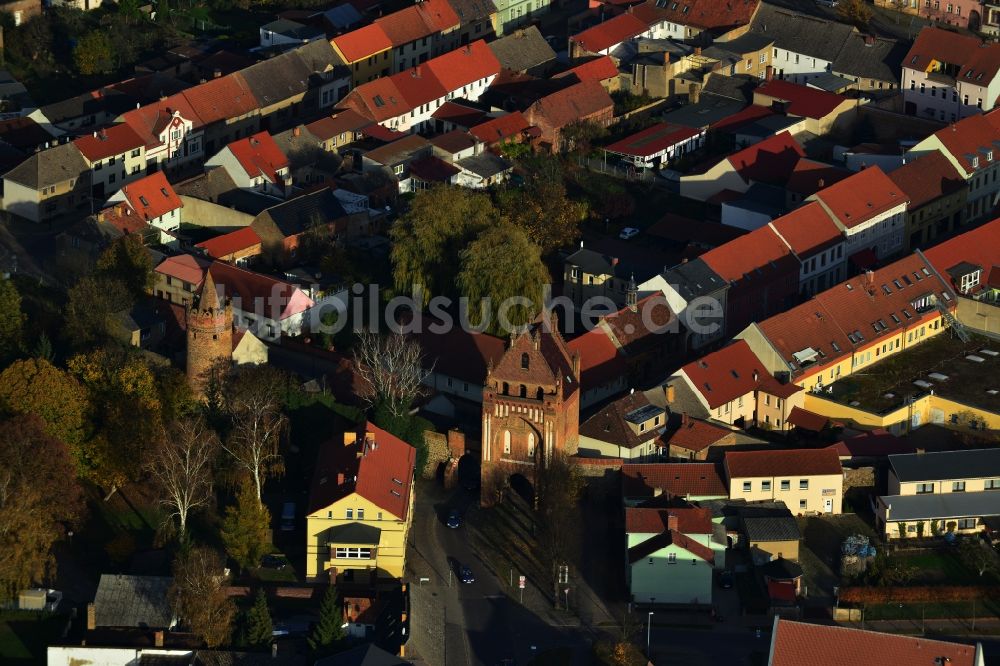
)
(253, 400)
(182, 467)
(198, 595)
(390, 367)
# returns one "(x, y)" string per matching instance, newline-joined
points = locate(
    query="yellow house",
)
(935, 493)
(367, 51)
(360, 507)
(806, 480)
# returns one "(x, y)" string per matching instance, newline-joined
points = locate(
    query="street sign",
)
(520, 582)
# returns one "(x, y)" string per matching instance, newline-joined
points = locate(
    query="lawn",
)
(25, 635)
(942, 566)
(932, 611)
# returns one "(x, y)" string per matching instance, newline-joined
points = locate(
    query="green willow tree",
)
(503, 276)
(429, 238)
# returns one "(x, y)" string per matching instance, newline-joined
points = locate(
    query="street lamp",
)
(649, 626)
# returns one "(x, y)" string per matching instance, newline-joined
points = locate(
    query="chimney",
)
(821, 183)
(666, 58)
(297, 131)
(158, 638)
(657, 492)
(91, 617)
(614, 261)
(769, 73)
(684, 419)
(216, 73)
(672, 522)
(671, 394)
(694, 93)
(697, 50)
(340, 478)
(756, 376)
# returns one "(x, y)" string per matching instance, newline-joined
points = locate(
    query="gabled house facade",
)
(154, 200)
(671, 556)
(117, 155)
(51, 182)
(360, 508)
(256, 163)
(806, 480)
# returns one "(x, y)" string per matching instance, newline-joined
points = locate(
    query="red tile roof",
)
(927, 178)
(259, 155)
(809, 177)
(980, 247)
(124, 218)
(876, 442)
(362, 43)
(347, 120)
(796, 462)
(222, 98)
(381, 474)
(797, 643)
(108, 142)
(418, 21)
(600, 362)
(152, 196)
(826, 323)
(464, 65)
(727, 374)
(457, 353)
(610, 33)
(634, 331)
(759, 252)
(801, 100)
(496, 130)
(653, 139)
(655, 521)
(227, 244)
(808, 230)
(578, 101)
(184, 267)
(743, 117)
(769, 161)
(419, 85)
(433, 169)
(675, 479)
(149, 120)
(972, 138)
(704, 14)
(595, 69)
(981, 60)
(275, 298)
(463, 116)
(379, 99)
(862, 196)
(696, 435)
(660, 541)
(803, 418)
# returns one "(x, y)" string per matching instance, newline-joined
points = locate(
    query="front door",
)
(828, 505)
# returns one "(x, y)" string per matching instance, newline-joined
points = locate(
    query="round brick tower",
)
(209, 333)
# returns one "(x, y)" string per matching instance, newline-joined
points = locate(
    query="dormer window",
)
(525, 361)
(989, 155)
(969, 281)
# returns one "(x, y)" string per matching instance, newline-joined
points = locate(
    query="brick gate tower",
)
(531, 406)
(209, 334)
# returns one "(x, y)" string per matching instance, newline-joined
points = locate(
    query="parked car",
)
(454, 519)
(628, 233)
(273, 562)
(465, 575)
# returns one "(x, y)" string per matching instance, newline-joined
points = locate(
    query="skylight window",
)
(708, 387)
(144, 201)
(907, 314)
(918, 276)
(164, 191)
(852, 338)
(735, 374)
(685, 10)
(926, 272)
(907, 281)
(894, 317)
(898, 285)
(849, 287)
(379, 101)
(835, 346)
(886, 289)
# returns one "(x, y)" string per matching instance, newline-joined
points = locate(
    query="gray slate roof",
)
(342, 16)
(364, 655)
(771, 528)
(694, 278)
(942, 505)
(49, 167)
(974, 464)
(871, 58)
(133, 601)
(469, 11)
(289, 74)
(801, 33)
(353, 533)
(296, 215)
(523, 50)
(292, 29)
(485, 165)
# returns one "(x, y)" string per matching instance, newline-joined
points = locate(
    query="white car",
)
(628, 232)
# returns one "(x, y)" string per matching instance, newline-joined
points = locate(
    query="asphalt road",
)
(482, 624)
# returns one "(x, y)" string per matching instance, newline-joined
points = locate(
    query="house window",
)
(749, 64)
(967, 524)
(361, 514)
(765, 486)
(350, 514)
(802, 504)
(353, 553)
(746, 486)
(925, 488)
(911, 529)
(803, 484)
(398, 169)
(506, 441)
(991, 484)
(969, 281)
(763, 58)
(671, 558)
(958, 487)
(786, 484)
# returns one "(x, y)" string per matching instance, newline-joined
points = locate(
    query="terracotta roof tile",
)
(276, 299)
(600, 361)
(974, 57)
(655, 521)
(185, 267)
(148, 121)
(696, 435)
(675, 479)
(797, 643)
(464, 65)
(458, 353)
(595, 69)
(461, 115)
(362, 43)
(381, 474)
(653, 139)
(704, 14)
(807, 230)
(862, 196)
(109, 142)
(970, 140)
(803, 418)
(152, 196)
(634, 331)
(347, 120)
(610, 423)
(500, 129)
(221, 99)
(980, 247)
(796, 462)
(927, 178)
(727, 374)
(660, 541)
(769, 161)
(610, 33)
(259, 155)
(801, 100)
(227, 244)
(568, 105)
(809, 177)
(758, 253)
